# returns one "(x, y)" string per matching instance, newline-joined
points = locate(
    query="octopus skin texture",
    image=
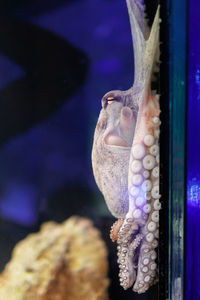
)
(125, 159)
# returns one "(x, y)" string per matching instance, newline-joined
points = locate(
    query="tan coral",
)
(65, 261)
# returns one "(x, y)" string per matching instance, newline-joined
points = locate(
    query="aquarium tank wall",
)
(57, 60)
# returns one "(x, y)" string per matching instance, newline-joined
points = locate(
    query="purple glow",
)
(107, 66)
(194, 193)
(192, 280)
(18, 203)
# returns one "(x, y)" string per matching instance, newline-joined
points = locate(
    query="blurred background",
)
(57, 59)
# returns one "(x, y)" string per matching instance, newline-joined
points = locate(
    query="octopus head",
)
(111, 148)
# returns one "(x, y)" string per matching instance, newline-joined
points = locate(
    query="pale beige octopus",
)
(125, 160)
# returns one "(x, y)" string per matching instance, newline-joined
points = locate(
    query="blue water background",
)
(55, 153)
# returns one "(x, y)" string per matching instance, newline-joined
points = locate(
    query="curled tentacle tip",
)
(115, 229)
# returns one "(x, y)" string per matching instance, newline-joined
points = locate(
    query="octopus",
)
(125, 159)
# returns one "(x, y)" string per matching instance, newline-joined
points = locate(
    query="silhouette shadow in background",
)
(54, 71)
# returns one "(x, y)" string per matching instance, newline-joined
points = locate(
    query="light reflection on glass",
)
(194, 193)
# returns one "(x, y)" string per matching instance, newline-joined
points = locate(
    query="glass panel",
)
(177, 97)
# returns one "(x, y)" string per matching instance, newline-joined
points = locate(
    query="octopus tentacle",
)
(128, 227)
(144, 202)
(126, 255)
(147, 267)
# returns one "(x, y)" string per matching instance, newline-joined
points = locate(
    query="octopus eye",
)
(110, 100)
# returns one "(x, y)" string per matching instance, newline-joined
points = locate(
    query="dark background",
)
(57, 59)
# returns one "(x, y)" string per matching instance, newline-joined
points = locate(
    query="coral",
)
(65, 261)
